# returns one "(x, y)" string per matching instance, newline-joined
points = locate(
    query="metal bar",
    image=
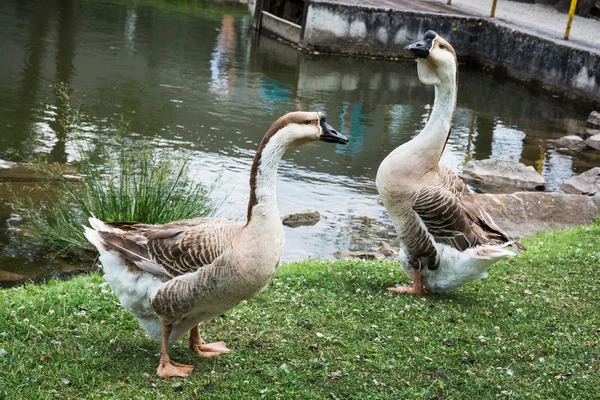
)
(257, 14)
(570, 20)
(304, 14)
(493, 13)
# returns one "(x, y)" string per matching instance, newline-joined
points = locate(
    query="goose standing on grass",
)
(447, 238)
(172, 277)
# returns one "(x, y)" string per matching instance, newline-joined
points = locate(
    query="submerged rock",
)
(354, 255)
(593, 120)
(502, 176)
(594, 141)
(7, 276)
(571, 142)
(306, 218)
(587, 183)
(524, 213)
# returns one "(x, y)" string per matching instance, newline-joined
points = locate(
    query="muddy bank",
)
(20, 262)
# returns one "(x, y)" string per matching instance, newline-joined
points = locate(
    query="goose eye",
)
(442, 46)
(307, 122)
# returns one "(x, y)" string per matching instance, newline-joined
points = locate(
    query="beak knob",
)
(422, 48)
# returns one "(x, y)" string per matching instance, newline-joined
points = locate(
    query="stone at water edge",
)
(594, 141)
(306, 218)
(524, 213)
(377, 253)
(24, 172)
(593, 120)
(571, 142)
(362, 255)
(385, 249)
(502, 176)
(587, 183)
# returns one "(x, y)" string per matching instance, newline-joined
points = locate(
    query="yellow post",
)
(449, 2)
(570, 20)
(493, 9)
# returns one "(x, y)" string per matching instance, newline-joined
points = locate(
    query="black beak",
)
(421, 49)
(330, 135)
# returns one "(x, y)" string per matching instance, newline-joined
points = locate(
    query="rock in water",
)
(587, 183)
(502, 176)
(594, 141)
(593, 120)
(571, 142)
(306, 218)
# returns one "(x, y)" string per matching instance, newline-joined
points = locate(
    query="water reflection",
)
(222, 72)
(193, 75)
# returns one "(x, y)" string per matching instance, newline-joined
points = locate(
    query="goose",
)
(171, 277)
(447, 238)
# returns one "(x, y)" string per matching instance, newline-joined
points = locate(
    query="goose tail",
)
(516, 246)
(94, 237)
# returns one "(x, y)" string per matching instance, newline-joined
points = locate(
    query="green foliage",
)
(122, 180)
(330, 330)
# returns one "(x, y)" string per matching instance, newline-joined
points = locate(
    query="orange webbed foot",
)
(407, 289)
(167, 369)
(209, 349)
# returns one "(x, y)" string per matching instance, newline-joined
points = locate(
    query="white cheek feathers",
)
(319, 124)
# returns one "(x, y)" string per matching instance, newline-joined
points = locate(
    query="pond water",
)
(196, 76)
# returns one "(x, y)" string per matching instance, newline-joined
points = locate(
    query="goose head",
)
(437, 59)
(297, 128)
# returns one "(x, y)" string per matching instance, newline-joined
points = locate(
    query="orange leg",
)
(166, 367)
(205, 350)
(416, 288)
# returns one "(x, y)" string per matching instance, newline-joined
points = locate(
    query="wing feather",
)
(172, 249)
(453, 215)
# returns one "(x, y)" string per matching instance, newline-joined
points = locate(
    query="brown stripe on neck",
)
(276, 127)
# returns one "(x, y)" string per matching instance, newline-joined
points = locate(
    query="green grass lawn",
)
(330, 330)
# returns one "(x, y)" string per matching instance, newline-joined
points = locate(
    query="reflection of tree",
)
(471, 136)
(485, 131)
(222, 72)
(68, 12)
(29, 84)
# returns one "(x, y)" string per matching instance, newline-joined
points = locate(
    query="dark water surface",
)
(196, 75)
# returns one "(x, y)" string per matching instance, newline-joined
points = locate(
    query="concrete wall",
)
(554, 66)
(356, 29)
(546, 64)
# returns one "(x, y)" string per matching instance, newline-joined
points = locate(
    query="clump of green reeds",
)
(119, 180)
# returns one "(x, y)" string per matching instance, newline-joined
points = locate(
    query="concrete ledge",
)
(280, 27)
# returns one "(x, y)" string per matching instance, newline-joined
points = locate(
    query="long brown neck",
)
(434, 136)
(264, 171)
